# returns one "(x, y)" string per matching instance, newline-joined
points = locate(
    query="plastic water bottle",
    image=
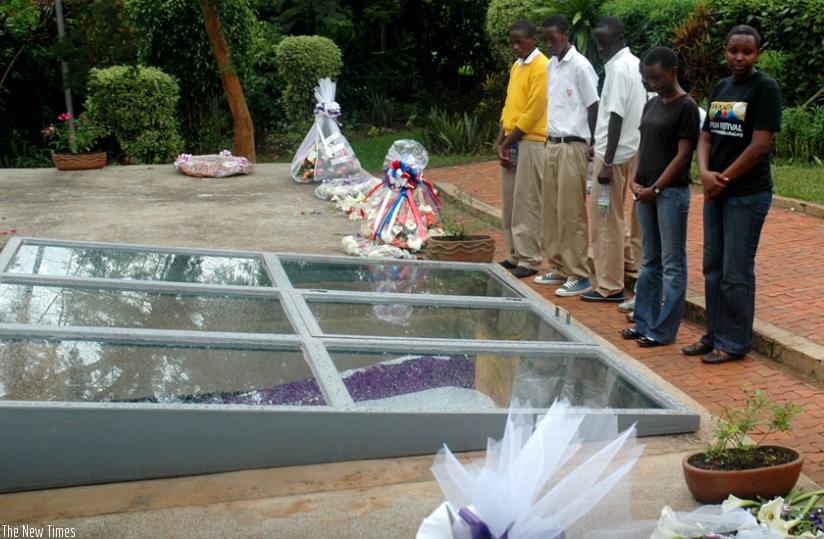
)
(589, 178)
(513, 155)
(603, 198)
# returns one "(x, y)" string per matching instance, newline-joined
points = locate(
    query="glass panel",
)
(140, 265)
(488, 380)
(399, 278)
(24, 304)
(88, 371)
(581, 380)
(403, 320)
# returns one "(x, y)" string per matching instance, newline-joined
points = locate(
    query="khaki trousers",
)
(608, 230)
(521, 205)
(633, 243)
(564, 209)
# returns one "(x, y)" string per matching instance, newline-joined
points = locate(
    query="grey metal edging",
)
(138, 247)
(139, 285)
(9, 250)
(159, 337)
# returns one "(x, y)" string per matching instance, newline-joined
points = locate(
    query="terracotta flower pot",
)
(79, 161)
(472, 249)
(713, 486)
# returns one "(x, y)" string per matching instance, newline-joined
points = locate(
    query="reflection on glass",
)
(139, 265)
(412, 381)
(398, 278)
(483, 380)
(440, 322)
(88, 371)
(24, 304)
(581, 380)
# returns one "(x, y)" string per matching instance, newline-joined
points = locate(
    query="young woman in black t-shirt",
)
(734, 163)
(669, 132)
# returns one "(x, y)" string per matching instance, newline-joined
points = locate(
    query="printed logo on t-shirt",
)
(727, 118)
(569, 92)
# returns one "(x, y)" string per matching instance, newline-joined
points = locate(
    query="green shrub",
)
(302, 61)
(801, 138)
(583, 16)
(454, 133)
(140, 105)
(649, 23)
(791, 26)
(499, 19)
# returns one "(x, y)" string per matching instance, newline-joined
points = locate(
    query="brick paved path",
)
(790, 295)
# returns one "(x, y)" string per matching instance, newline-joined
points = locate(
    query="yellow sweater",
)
(525, 105)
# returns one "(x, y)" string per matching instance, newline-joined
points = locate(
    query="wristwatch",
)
(655, 189)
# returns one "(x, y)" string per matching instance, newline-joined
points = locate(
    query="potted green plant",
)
(74, 150)
(455, 240)
(736, 463)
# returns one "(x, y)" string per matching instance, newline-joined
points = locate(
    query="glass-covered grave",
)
(125, 362)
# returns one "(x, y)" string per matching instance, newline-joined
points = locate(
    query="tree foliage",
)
(499, 19)
(302, 61)
(140, 105)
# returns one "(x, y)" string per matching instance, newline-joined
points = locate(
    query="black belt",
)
(565, 140)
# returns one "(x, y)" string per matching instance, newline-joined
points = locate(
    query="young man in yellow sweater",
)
(520, 148)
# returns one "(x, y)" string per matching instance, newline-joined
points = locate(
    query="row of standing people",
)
(556, 123)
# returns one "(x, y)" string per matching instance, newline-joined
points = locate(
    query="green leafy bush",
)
(140, 105)
(801, 137)
(583, 16)
(791, 26)
(454, 133)
(499, 19)
(649, 23)
(302, 61)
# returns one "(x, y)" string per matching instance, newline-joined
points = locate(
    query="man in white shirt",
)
(616, 144)
(572, 97)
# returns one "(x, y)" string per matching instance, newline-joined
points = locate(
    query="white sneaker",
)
(627, 306)
(553, 277)
(574, 288)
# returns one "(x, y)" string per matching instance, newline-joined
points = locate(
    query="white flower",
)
(425, 208)
(410, 225)
(354, 216)
(771, 511)
(666, 524)
(733, 502)
(386, 236)
(397, 229)
(414, 243)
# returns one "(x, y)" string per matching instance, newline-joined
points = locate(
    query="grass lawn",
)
(800, 181)
(371, 150)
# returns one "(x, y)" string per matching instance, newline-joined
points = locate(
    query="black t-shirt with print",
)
(737, 108)
(662, 125)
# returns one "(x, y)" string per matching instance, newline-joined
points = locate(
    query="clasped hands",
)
(713, 183)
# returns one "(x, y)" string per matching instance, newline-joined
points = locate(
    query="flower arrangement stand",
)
(479, 248)
(79, 161)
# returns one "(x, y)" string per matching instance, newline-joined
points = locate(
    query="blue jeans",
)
(661, 291)
(732, 228)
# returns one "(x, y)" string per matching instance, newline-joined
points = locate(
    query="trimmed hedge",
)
(140, 105)
(499, 19)
(302, 61)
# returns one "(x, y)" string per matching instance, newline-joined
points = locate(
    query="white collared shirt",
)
(531, 56)
(572, 87)
(624, 94)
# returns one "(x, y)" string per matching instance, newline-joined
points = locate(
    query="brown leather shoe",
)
(697, 349)
(717, 356)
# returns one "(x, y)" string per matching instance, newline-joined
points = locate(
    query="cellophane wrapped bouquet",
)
(325, 155)
(564, 477)
(212, 165)
(401, 209)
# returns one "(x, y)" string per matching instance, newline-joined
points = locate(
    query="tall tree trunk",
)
(244, 134)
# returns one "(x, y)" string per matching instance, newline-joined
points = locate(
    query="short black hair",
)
(524, 26)
(662, 56)
(746, 30)
(558, 21)
(613, 25)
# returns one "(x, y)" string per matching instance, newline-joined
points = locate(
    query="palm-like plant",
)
(583, 15)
